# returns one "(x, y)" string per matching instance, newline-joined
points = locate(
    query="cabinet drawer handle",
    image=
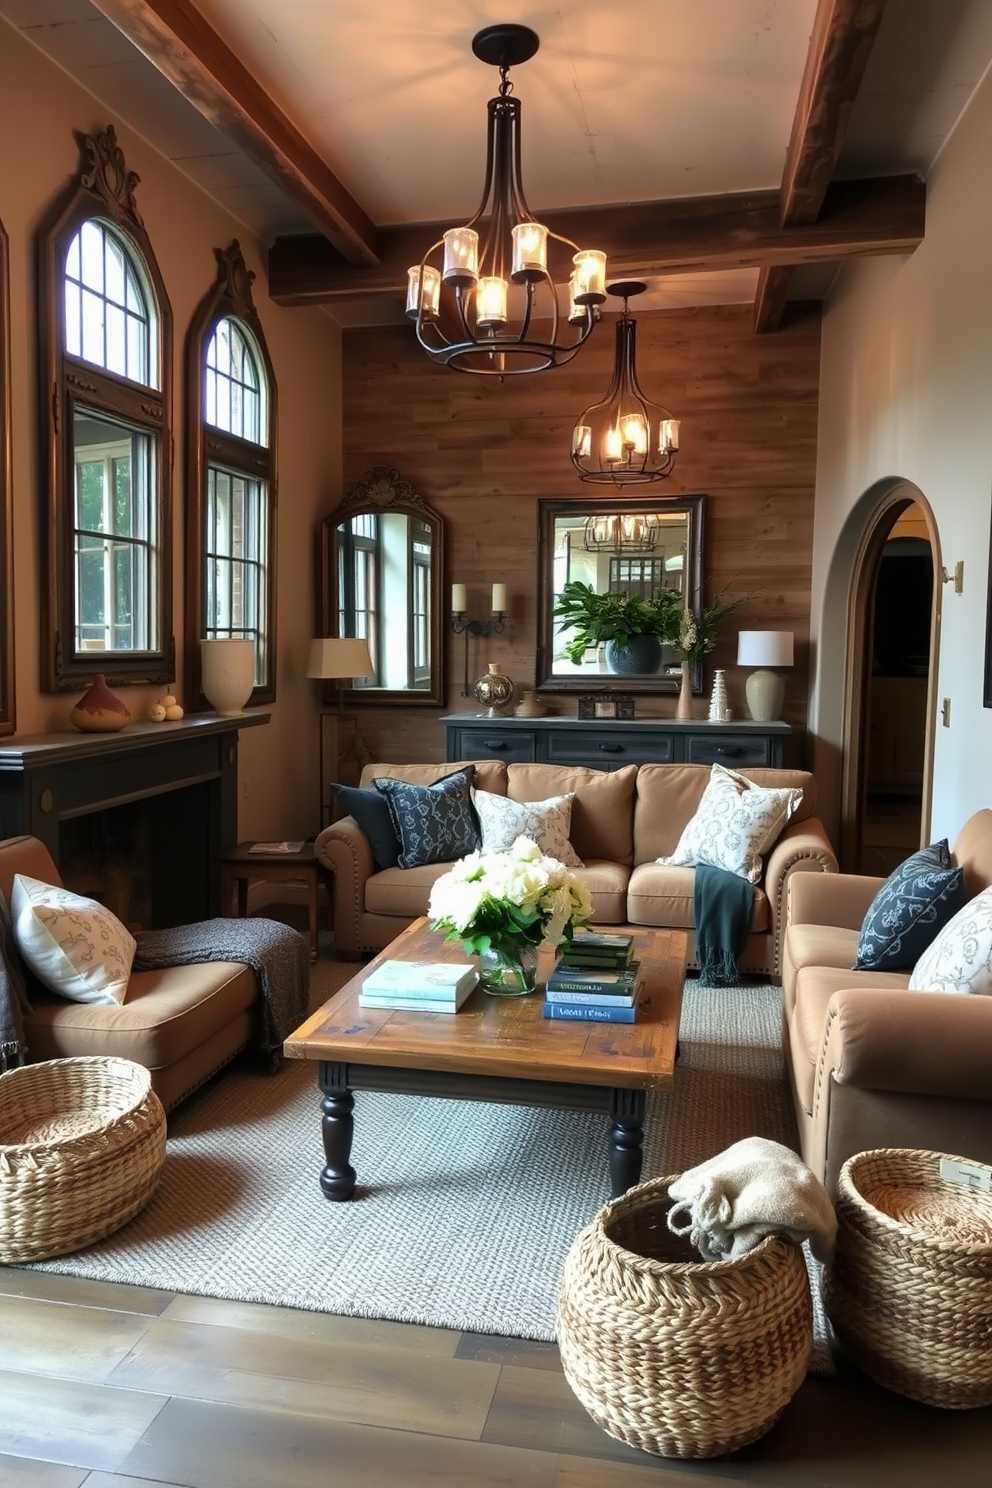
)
(611, 748)
(496, 744)
(729, 749)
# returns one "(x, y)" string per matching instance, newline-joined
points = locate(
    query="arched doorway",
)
(890, 686)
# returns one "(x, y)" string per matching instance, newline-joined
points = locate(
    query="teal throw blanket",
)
(722, 903)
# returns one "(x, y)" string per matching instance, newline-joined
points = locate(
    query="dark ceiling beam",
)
(185, 48)
(685, 235)
(843, 35)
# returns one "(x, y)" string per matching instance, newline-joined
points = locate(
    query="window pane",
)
(94, 345)
(233, 379)
(114, 271)
(116, 360)
(236, 537)
(107, 313)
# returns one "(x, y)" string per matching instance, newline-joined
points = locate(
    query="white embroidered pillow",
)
(960, 959)
(735, 823)
(546, 822)
(74, 945)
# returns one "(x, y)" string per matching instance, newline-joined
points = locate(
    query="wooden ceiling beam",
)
(684, 235)
(843, 35)
(185, 48)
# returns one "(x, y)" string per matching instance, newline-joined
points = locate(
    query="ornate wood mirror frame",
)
(7, 721)
(381, 559)
(633, 546)
(108, 598)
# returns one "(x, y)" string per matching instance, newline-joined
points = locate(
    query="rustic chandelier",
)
(488, 303)
(626, 440)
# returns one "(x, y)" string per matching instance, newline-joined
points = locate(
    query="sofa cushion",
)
(912, 906)
(960, 958)
(668, 795)
(814, 988)
(167, 1015)
(603, 809)
(490, 774)
(502, 821)
(735, 823)
(435, 823)
(402, 891)
(663, 896)
(370, 811)
(814, 945)
(76, 947)
(607, 884)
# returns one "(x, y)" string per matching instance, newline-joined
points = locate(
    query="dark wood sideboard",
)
(608, 744)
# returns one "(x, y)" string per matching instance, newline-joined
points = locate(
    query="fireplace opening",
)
(148, 861)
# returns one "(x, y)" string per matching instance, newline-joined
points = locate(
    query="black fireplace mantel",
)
(47, 779)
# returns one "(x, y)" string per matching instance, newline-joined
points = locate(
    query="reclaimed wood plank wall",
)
(483, 453)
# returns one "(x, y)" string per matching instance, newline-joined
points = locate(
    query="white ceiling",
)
(626, 100)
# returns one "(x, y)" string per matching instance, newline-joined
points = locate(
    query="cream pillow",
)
(960, 959)
(736, 821)
(545, 822)
(75, 946)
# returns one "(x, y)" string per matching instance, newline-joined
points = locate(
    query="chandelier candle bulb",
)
(490, 301)
(423, 290)
(461, 255)
(581, 440)
(590, 277)
(668, 435)
(530, 250)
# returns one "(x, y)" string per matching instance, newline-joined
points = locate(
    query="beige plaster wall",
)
(40, 107)
(906, 394)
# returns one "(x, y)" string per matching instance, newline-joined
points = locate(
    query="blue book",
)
(591, 999)
(589, 1013)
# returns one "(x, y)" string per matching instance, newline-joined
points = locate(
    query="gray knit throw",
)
(277, 954)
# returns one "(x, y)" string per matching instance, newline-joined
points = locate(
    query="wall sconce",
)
(460, 625)
(956, 575)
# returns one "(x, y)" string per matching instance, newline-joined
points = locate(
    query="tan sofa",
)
(621, 821)
(871, 1063)
(183, 1023)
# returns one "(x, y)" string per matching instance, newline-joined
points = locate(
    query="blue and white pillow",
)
(913, 905)
(434, 823)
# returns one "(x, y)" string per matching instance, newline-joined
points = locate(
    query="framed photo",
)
(606, 705)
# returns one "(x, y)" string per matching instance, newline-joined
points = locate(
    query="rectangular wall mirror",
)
(633, 547)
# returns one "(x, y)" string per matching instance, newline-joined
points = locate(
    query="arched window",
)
(230, 399)
(6, 498)
(106, 333)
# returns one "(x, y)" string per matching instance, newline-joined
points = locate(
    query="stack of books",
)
(419, 986)
(597, 981)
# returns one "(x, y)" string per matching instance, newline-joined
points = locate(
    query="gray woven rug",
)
(464, 1212)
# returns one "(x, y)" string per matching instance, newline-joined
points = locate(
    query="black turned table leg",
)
(337, 1177)
(626, 1137)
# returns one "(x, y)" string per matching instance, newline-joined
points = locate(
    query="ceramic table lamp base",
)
(765, 691)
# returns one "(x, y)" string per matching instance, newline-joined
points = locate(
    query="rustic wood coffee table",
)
(495, 1049)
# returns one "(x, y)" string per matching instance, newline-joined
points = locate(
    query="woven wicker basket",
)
(82, 1143)
(910, 1290)
(678, 1356)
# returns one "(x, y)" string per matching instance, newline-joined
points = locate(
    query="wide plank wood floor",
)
(118, 1387)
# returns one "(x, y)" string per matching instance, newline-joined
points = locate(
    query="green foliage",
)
(697, 634)
(598, 618)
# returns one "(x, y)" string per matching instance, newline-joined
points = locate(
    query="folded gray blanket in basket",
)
(728, 1204)
(277, 954)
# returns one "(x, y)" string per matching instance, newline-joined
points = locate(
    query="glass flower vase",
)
(509, 972)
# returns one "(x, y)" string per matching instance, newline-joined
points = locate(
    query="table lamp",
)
(764, 689)
(338, 659)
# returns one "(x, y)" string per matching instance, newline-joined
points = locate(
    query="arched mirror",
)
(381, 565)
(633, 548)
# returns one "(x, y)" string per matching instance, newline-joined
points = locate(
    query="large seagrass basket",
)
(672, 1354)
(82, 1143)
(910, 1289)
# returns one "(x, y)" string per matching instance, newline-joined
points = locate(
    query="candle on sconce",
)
(459, 602)
(499, 599)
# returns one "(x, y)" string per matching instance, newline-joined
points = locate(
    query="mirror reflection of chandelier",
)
(489, 304)
(615, 532)
(626, 440)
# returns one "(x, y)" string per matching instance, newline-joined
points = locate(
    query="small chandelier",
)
(629, 532)
(626, 440)
(500, 292)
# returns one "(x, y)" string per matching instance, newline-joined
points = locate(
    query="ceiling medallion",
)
(626, 440)
(483, 296)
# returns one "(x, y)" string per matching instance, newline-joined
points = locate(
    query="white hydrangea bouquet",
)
(503, 905)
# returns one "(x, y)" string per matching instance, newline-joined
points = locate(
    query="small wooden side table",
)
(241, 865)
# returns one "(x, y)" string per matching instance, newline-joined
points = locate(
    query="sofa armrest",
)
(840, 899)
(920, 1043)
(803, 848)
(344, 849)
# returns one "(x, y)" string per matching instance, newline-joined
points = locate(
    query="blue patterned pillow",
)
(910, 909)
(435, 823)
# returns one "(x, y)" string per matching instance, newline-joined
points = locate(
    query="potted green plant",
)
(632, 629)
(695, 637)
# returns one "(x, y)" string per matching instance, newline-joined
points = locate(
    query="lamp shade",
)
(764, 648)
(338, 657)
